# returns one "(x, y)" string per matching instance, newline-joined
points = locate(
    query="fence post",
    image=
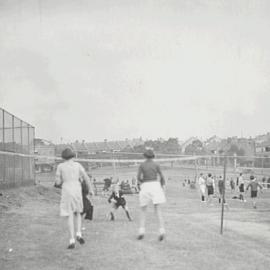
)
(22, 158)
(223, 194)
(4, 148)
(13, 146)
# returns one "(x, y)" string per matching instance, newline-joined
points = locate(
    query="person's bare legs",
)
(254, 202)
(79, 228)
(142, 222)
(112, 212)
(127, 212)
(160, 221)
(71, 230)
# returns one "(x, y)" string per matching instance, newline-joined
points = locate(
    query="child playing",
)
(253, 185)
(117, 199)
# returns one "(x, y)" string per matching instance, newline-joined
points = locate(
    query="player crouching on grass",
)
(254, 185)
(117, 199)
(152, 190)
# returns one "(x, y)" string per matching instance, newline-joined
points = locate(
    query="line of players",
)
(209, 183)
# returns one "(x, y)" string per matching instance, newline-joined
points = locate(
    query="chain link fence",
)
(16, 142)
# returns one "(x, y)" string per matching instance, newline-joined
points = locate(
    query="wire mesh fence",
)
(16, 148)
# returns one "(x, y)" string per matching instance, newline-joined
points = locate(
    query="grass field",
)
(31, 227)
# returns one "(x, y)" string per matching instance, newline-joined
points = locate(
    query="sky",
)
(95, 69)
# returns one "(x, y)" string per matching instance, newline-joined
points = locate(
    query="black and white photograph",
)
(134, 134)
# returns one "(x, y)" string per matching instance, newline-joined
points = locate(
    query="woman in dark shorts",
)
(254, 185)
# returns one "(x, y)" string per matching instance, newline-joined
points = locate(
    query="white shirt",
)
(201, 181)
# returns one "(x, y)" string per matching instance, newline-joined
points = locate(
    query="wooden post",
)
(223, 194)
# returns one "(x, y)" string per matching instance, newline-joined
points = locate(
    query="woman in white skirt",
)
(152, 190)
(68, 175)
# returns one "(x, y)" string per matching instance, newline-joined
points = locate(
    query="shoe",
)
(161, 237)
(71, 246)
(140, 236)
(80, 240)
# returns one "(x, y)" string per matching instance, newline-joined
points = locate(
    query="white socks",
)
(79, 234)
(72, 241)
(141, 231)
(162, 231)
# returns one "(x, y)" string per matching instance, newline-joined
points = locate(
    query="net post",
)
(223, 194)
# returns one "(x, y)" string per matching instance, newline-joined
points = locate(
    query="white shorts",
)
(151, 192)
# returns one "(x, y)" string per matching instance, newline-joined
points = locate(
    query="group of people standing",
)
(71, 177)
(207, 185)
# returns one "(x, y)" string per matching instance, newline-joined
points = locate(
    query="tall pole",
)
(223, 194)
(114, 168)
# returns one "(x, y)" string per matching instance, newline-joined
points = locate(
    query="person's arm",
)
(249, 185)
(261, 187)
(58, 177)
(110, 198)
(86, 178)
(162, 179)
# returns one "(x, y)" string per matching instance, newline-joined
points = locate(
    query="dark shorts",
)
(242, 188)
(210, 190)
(118, 204)
(254, 193)
(220, 190)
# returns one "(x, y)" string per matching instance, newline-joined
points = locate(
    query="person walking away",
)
(202, 187)
(151, 190)
(241, 187)
(68, 174)
(210, 185)
(254, 185)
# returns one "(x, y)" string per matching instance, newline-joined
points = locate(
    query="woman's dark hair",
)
(68, 154)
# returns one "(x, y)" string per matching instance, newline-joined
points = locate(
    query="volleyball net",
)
(122, 166)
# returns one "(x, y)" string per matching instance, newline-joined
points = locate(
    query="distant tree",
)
(234, 149)
(170, 146)
(195, 148)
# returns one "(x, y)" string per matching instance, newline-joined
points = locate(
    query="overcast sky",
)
(123, 69)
